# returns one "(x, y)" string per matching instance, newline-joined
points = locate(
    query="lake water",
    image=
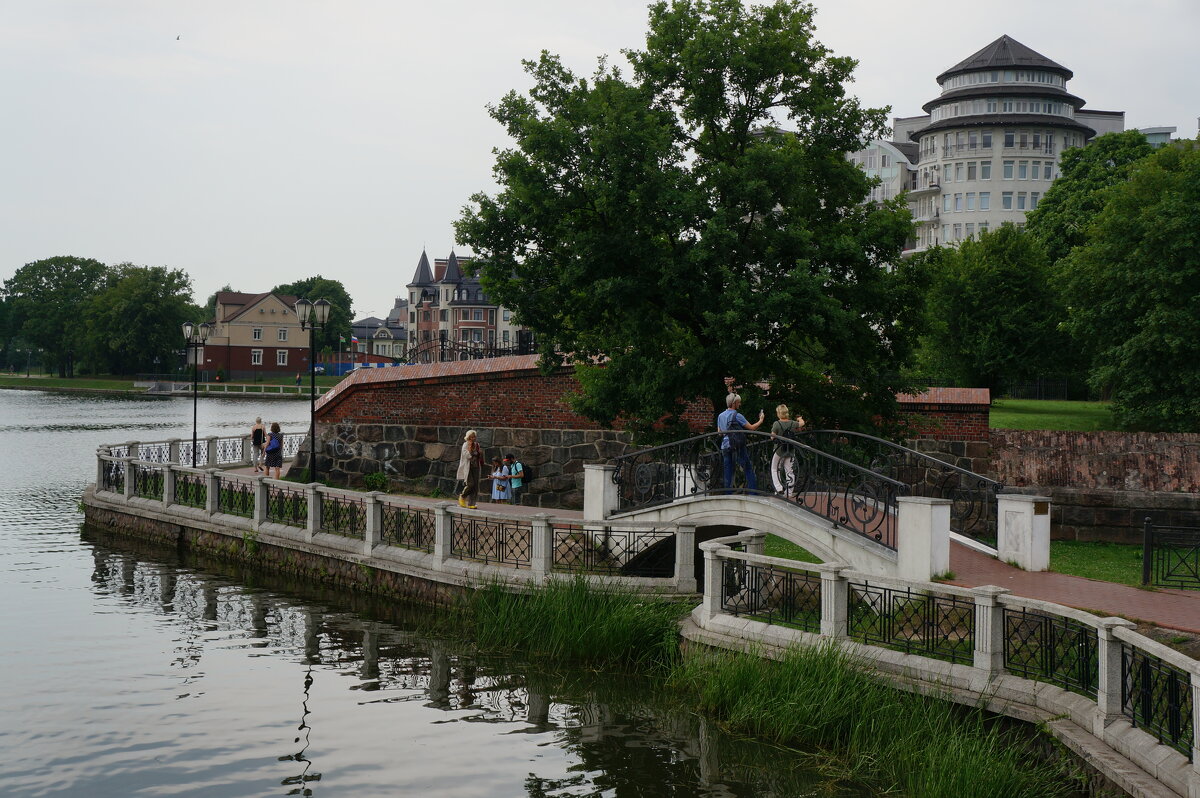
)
(126, 670)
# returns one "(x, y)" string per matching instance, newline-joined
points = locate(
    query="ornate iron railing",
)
(849, 495)
(1157, 697)
(235, 496)
(159, 452)
(605, 550)
(229, 450)
(292, 441)
(191, 490)
(1052, 649)
(343, 515)
(112, 476)
(491, 540)
(439, 351)
(185, 454)
(937, 625)
(410, 527)
(287, 505)
(1171, 556)
(118, 450)
(973, 497)
(148, 481)
(784, 596)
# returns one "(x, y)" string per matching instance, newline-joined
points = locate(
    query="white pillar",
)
(922, 537)
(443, 528)
(599, 491)
(373, 511)
(210, 449)
(989, 629)
(685, 558)
(259, 513)
(212, 495)
(1023, 530)
(541, 558)
(130, 473)
(168, 484)
(711, 605)
(312, 491)
(1108, 675)
(835, 594)
(173, 451)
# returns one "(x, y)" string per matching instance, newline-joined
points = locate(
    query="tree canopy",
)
(994, 317)
(1062, 219)
(48, 298)
(668, 225)
(318, 287)
(133, 323)
(1134, 290)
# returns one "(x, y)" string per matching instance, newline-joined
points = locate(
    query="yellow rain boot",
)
(462, 502)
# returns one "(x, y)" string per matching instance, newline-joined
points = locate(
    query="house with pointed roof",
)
(988, 146)
(448, 305)
(255, 335)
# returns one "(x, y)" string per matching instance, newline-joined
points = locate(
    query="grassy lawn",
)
(1050, 414)
(778, 547)
(95, 383)
(1111, 562)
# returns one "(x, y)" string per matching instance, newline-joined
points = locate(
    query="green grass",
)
(866, 731)
(1110, 562)
(1051, 415)
(778, 547)
(80, 383)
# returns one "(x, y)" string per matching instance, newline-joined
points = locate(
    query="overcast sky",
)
(259, 142)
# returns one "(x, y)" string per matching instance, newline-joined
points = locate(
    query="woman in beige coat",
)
(470, 469)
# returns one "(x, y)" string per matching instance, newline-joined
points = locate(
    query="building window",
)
(412, 317)
(255, 357)
(477, 315)
(1033, 199)
(1020, 200)
(983, 228)
(1006, 200)
(465, 335)
(958, 172)
(945, 203)
(985, 170)
(957, 203)
(970, 200)
(1008, 169)
(283, 333)
(985, 200)
(958, 232)
(477, 336)
(444, 315)
(985, 138)
(1046, 167)
(504, 336)
(492, 337)
(443, 334)
(427, 315)
(492, 317)
(945, 232)
(970, 170)
(281, 357)
(1022, 170)
(506, 315)
(1010, 138)
(257, 333)
(970, 229)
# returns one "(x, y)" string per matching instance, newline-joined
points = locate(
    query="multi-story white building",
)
(988, 146)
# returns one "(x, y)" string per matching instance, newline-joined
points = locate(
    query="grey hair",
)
(470, 434)
(258, 420)
(732, 399)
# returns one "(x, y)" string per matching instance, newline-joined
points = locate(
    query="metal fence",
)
(343, 515)
(405, 526)
(1171, 556)
(1051, 648)
(937, 625)
(608, 550)
(771, 594)
(1157, 697)
(287, 505)
(491, 540)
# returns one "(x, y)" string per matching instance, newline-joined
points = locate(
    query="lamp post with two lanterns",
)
(312, 315)
(194, 337)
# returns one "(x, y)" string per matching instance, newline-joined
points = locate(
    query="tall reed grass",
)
(568, 620)
(868, 732)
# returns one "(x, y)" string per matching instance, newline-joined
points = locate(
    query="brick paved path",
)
(1174, 609)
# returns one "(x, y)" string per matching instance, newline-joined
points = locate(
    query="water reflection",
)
(619, 738)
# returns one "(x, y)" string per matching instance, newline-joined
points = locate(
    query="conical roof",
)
(424, 274)
(1004, 53)
(453, 272)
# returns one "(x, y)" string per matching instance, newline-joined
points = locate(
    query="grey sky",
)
(276, 140)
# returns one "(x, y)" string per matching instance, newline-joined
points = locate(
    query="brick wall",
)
(949, 414)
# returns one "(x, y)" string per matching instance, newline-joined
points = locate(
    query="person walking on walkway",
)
(501, 493)
(274, 450)
(783, 461)
(470, 469)
(516, 479)
(258, 436)
(733, 442)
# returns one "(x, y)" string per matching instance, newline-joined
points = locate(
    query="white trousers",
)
(788, 463)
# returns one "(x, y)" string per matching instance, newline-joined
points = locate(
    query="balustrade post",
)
(713, 563)
(312, 495)
(1194, 787)
(756, 542)
(373, 521)
(1023, 530)
(600, 496)
(259, 514)
(130, 473)
(210, 451)
(101, 465)
(1108, 676)
(168, 496)
(132, 449)
(443, 528)
(685, 558)
(212, 499)
(245, 454)
(989, 629)
(542, 555)
(173, 451)
(835, 600)
(922, 537)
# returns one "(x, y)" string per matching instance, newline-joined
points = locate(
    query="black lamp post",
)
(194, 337)
(312, 315)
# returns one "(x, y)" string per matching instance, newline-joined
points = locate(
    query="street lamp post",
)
(312, 315)
(194, 337)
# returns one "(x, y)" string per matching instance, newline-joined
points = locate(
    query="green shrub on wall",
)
(376, 481)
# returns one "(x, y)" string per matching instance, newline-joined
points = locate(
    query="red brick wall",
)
(949, 414)
(1129, 461)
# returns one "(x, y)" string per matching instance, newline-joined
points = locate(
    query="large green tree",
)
(1062, 219)
(318, 287)
(698, 219)
(1134, 292)
(994, 317)
(47, 299)
(133, 322)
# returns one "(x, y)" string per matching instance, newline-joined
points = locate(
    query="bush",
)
(376, 481)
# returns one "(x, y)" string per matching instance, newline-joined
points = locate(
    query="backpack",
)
(737, 438)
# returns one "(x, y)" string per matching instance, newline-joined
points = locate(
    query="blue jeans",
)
(743, 459)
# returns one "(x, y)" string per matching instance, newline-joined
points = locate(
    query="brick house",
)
(255, 335)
